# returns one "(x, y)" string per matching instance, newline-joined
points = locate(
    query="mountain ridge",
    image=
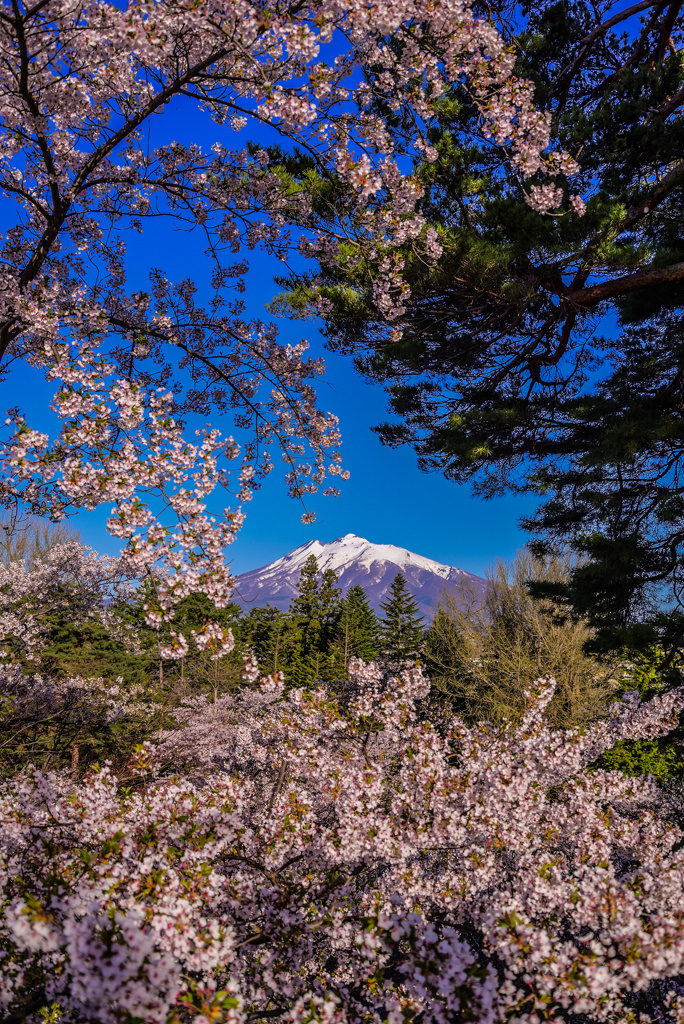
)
(356, 560)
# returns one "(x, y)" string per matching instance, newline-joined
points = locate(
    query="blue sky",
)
(387, 499)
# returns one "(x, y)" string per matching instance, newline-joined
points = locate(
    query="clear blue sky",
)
(387, 499)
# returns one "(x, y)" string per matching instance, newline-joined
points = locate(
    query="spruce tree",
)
(444, 647)
(305, 623)
(314, 612)
(196, 671)
(270, 635)
(357, 628)
(88, 649)
(306, 603)
(401, 627)
(329, 603)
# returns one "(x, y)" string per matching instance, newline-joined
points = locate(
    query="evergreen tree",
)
(444, 648)
(329, 603)
(87, 649)
(357, 628)
(401, 627)
(499, 373)
(306, 621)
(663, 758)
(268, 632)
(314, 614)
(483, 659)
(196, 671)
(306, 604)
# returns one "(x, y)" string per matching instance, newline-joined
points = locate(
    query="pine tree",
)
(305, 613)
(357, 628)
(498, 372)
(196, 670)
(314, 613)
(306, 603)
(270, 635)
(401, 627)
(87, 649)
(329, 603)
(444, 647)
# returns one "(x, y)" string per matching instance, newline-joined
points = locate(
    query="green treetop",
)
(357, 628)
(269, 634)
(314, 612)
(329, 604)
(401, 627)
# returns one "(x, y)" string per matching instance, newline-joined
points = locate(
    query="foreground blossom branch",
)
(342, 857)
(79, 86)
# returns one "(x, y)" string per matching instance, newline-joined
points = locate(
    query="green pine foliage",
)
(650, 673)
(305, 609)
(661, 758)
(314, 612)
(445, 647)
(195, 674)
(401, 626)
(504, 373)
(89, 650)
(482, 658)
(357, 628)
(270, 635)
(318, 636)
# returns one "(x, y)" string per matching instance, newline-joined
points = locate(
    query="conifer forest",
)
(216, 811)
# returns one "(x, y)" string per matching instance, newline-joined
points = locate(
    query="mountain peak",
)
(356, 560)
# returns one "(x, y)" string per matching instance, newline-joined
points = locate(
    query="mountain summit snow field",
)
(356, 560)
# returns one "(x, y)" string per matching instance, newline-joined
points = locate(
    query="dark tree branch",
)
(599, 30)
(625, 285)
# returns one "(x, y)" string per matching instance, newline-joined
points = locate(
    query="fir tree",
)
(307, 602)
(444, 647)
(306, 621)
(88, 649)
(401, 627)
(329, 604)
(357, 628)
(269, 633)
(196, 670)
(314, 614)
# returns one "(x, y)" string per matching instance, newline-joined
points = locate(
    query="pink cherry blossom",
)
(336, 857)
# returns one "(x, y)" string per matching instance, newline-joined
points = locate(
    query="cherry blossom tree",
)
(46, 722)
(82, 86)
(72, 579)
(340, 861)
(296, 856)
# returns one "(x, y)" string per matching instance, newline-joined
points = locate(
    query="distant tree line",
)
(316, 638)
(482, 654)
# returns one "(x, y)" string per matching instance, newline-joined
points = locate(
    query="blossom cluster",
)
(346, 857)
(72, 579)
(79, 85)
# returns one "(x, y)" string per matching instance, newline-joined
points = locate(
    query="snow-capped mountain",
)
(355, 560)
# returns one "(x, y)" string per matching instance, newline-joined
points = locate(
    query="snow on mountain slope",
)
(355, 560)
